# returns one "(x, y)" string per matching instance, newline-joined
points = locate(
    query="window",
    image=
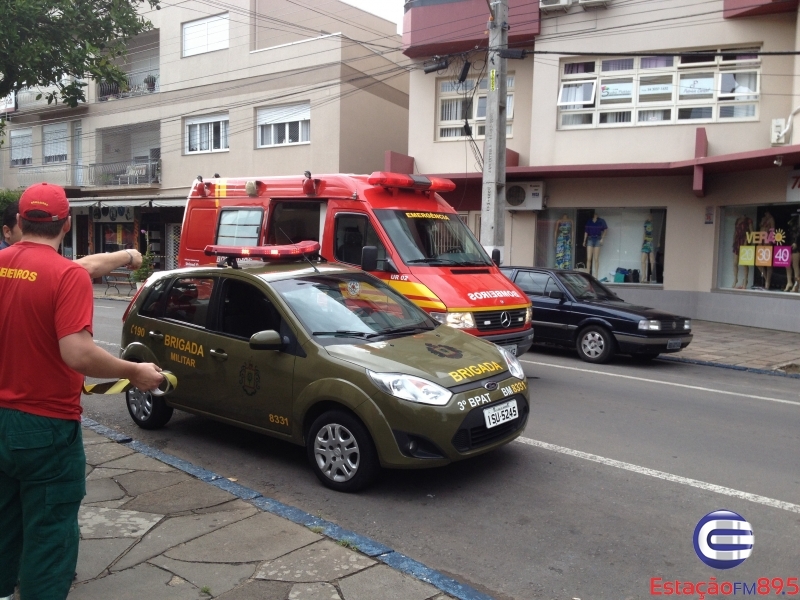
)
(353, 232)
(246, 310)
(21, 147)
(281, 125)
(152, 305)
(465, 103)
(55, 143)
(188, 300)
(239, 227)
(207, 134)
(532, 283)
(660, 90)
(205, 35)
(293, 221)
(634, 241)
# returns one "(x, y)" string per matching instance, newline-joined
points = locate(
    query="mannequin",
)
(593, 236)
(793, 283)
(648, 251)
(563, 236)
(766, 225)
(744, 225)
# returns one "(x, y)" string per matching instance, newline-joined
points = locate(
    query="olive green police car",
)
(324, 356)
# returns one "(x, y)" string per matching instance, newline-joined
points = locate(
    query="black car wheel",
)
(146, 410)
(595, 344)
(341, 452)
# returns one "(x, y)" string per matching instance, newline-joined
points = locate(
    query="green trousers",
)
(42, 483)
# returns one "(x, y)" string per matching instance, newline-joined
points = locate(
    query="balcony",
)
(127, 174)
(139, 83)
(27, 99)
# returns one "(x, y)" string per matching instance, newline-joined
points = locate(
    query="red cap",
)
(47, 198)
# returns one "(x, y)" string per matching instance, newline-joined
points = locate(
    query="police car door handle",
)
(156, 335)
(221, 354)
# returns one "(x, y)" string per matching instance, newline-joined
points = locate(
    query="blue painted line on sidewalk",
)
(706, 363)
(363, 544)
(403, 563)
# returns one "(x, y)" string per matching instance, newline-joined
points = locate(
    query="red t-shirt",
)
(43, 298)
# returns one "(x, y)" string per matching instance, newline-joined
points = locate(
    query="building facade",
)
(663, 119)
(258, 88)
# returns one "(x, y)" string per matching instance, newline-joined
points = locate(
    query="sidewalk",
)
(150, 530)
(717, 343)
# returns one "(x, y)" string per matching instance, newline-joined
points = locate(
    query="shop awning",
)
(111, 203)
(82, 203)
(163, 203)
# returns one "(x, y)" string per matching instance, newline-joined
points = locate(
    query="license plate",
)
(502, 413)
(673, 344)
(512, 349)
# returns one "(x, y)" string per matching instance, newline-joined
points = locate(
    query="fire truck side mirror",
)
(369, 258)
(496, 256)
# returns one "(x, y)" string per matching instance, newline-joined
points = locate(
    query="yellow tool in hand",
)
(123, 385)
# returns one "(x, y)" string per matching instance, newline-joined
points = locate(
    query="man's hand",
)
(147, 376)
(135, 259)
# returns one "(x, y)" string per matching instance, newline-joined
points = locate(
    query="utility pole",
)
(494, 159)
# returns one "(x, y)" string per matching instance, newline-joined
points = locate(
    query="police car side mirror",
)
(266, 340)
(369, 258)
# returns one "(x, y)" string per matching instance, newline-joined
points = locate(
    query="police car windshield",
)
(351, 305)
(432, 238)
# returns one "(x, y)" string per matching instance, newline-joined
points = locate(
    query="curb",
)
(705, 363)
(365, 545)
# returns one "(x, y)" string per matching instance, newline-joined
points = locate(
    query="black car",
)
(572, 308)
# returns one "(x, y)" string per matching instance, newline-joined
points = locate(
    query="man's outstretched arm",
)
(102, 264)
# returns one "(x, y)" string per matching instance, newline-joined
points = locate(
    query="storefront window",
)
(117, 236)
(759, 248)
(623, 245)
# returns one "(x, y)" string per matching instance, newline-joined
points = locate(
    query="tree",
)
(57, 43)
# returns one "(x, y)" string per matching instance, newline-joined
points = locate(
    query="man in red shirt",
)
(46, 310)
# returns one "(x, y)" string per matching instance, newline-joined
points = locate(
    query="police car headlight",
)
(408, 387)
(456, 320)
(514, 366)
(650, 325)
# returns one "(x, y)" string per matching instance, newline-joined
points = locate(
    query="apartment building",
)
(662, 117)
(247, 88)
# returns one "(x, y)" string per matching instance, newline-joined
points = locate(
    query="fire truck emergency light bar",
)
(414, 182)
(263, 252)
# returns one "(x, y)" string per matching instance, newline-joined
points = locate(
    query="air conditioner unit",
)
(553, 5)
(593, 3)
(526, 195)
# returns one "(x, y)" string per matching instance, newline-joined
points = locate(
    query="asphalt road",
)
(539, 519)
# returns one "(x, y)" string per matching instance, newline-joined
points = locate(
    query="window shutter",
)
(284, 114)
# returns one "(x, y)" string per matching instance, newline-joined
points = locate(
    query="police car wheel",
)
(146, 410)
(341, 452)
(595, 344)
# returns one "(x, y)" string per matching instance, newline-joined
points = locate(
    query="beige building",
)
(263, 88)
(663, 118)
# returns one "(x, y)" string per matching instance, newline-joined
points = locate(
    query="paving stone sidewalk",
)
(151, 531)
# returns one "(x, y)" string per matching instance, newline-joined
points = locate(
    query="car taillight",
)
(128, 310)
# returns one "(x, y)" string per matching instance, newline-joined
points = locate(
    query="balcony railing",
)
(27, 98)
(122, 174)
(139, 83)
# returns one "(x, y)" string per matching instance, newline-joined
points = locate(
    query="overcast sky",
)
(388, 9)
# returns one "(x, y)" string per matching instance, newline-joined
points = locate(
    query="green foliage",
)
(7, 197)
(148, 259)
(59, 42)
